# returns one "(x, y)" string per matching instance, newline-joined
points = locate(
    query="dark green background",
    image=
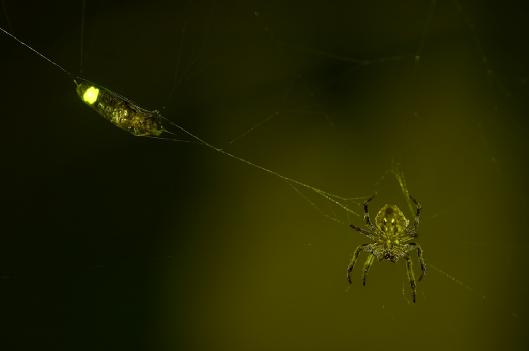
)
(111, 242)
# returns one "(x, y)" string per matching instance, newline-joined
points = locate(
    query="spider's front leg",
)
(353, 261)
(417, 213)
(363, 231)
(367, 219)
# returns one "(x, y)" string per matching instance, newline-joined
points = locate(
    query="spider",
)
(391, 235)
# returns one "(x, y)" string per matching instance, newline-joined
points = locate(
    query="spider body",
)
(391, 236)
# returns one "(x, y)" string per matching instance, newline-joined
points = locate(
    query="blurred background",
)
(111, 242)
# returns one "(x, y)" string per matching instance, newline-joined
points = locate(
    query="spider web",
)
(334, 112)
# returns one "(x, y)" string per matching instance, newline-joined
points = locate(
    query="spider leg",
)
(367, 219)
(353, 260)
(411, 277)
(367, 266)
(417, 213)
(361, 230)
(421, 259)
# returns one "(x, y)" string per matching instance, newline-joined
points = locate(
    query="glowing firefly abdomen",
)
(118, 110)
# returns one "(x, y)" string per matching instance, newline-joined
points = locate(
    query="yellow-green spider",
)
(392, 236)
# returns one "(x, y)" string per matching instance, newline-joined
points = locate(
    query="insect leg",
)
(353, 261)
(411, 277)
(367, 266)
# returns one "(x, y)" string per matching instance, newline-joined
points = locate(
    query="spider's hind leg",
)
(411, 277)
(421, 260)
(367, 266)
(417, 213)
(353, 261)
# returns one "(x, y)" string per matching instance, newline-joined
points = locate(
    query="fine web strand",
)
(326, 195)
(452, 278)
(38, 53)
(399, 177)
(335, 199)
(356, 62)
(171, 139)
(273, 116)
(398, 173)
(254, 127)
(283, 98)
(318, 209)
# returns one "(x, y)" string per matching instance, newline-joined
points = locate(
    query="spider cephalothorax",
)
(391, 235)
